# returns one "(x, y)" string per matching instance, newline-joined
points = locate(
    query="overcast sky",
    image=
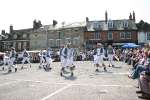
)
(21, 13)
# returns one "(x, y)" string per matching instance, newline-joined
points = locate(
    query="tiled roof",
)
(111, 25)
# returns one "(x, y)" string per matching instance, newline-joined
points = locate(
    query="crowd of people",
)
(139, 58)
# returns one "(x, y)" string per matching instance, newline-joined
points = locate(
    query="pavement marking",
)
(56, 92)
(9, 83)
(73, 84)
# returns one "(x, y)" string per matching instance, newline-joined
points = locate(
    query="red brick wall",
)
(116, 36)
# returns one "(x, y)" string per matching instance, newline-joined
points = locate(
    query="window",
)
(128, 35)
(96, 35)
(51, 42)
(96, 25)
(122, 35)
(110, 24)
(125, 23)
(76, 41)
(58, 42)
(125, 35)
(25, 44)
(19, 45)
(68, 40)
(148, 35)
(110, 36)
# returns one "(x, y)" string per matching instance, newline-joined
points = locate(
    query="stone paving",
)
(86, 84)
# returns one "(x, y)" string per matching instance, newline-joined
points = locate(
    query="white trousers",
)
(67, 62)
(11, 63)
(48, 60)
(110, 59)
(26, 59)
(42, 60)
(98, 59)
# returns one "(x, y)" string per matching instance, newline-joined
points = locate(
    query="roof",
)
(75, 24)
(123, 24)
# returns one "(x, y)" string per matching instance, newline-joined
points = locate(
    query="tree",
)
(143, 26)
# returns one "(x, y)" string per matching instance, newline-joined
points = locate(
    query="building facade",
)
(143, 37)
(72, 33)
(116, 32)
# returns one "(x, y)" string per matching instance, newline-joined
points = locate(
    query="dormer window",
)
(125, 23)
(110, 24)
(96, 25)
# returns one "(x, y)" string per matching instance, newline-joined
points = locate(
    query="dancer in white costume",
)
(67, 60)
(111, 53)
(12, 57)
(42, 60)
(5, 60)
(48, 59)
(99, 54)
(26, 57)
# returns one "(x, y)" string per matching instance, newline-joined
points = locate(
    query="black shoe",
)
(15, 69)
(3, 68)
(62, 69)
(9, 70)
(61, 74)
(145, 96)
(113, 65)
(105, 69)
(96, 70)
(72, 74)
(22, 67)
(139, 92)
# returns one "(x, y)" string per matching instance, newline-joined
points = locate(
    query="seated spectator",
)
(144, 81)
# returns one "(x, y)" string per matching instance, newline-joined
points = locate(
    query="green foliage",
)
(143, 26)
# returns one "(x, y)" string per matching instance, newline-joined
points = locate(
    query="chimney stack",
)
(106, 17)
(130, 17)
(87, 19)
(133, 16)
(11, 29)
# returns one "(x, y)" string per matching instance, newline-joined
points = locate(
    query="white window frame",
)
(68, 40)
(125, 24)
(122, 33)
(97, 35)
(129, 35)
(51, 44)
(110, 24)
(76, 40)
(58, 42)
(148, 36)
(109, 37)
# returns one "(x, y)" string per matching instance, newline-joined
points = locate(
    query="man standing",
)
(26, 57)
(110, 52)
(68, 58)
(41, 55)
(99, 54)
(48, 59)
(5, 60)
(12, 57)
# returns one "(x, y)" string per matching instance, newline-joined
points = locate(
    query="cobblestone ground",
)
(86, 84)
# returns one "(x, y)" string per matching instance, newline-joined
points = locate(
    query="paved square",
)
(36, 84)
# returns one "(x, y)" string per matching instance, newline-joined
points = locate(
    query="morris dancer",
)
(68, 55)
(99, 53)
(42, 60)
(48, 59)
(26, 57)
(12, 57)
(5, 60)
(111, 53)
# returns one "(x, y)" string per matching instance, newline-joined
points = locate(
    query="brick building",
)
(116, 32)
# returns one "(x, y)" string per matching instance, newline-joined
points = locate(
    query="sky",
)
(21, 13)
